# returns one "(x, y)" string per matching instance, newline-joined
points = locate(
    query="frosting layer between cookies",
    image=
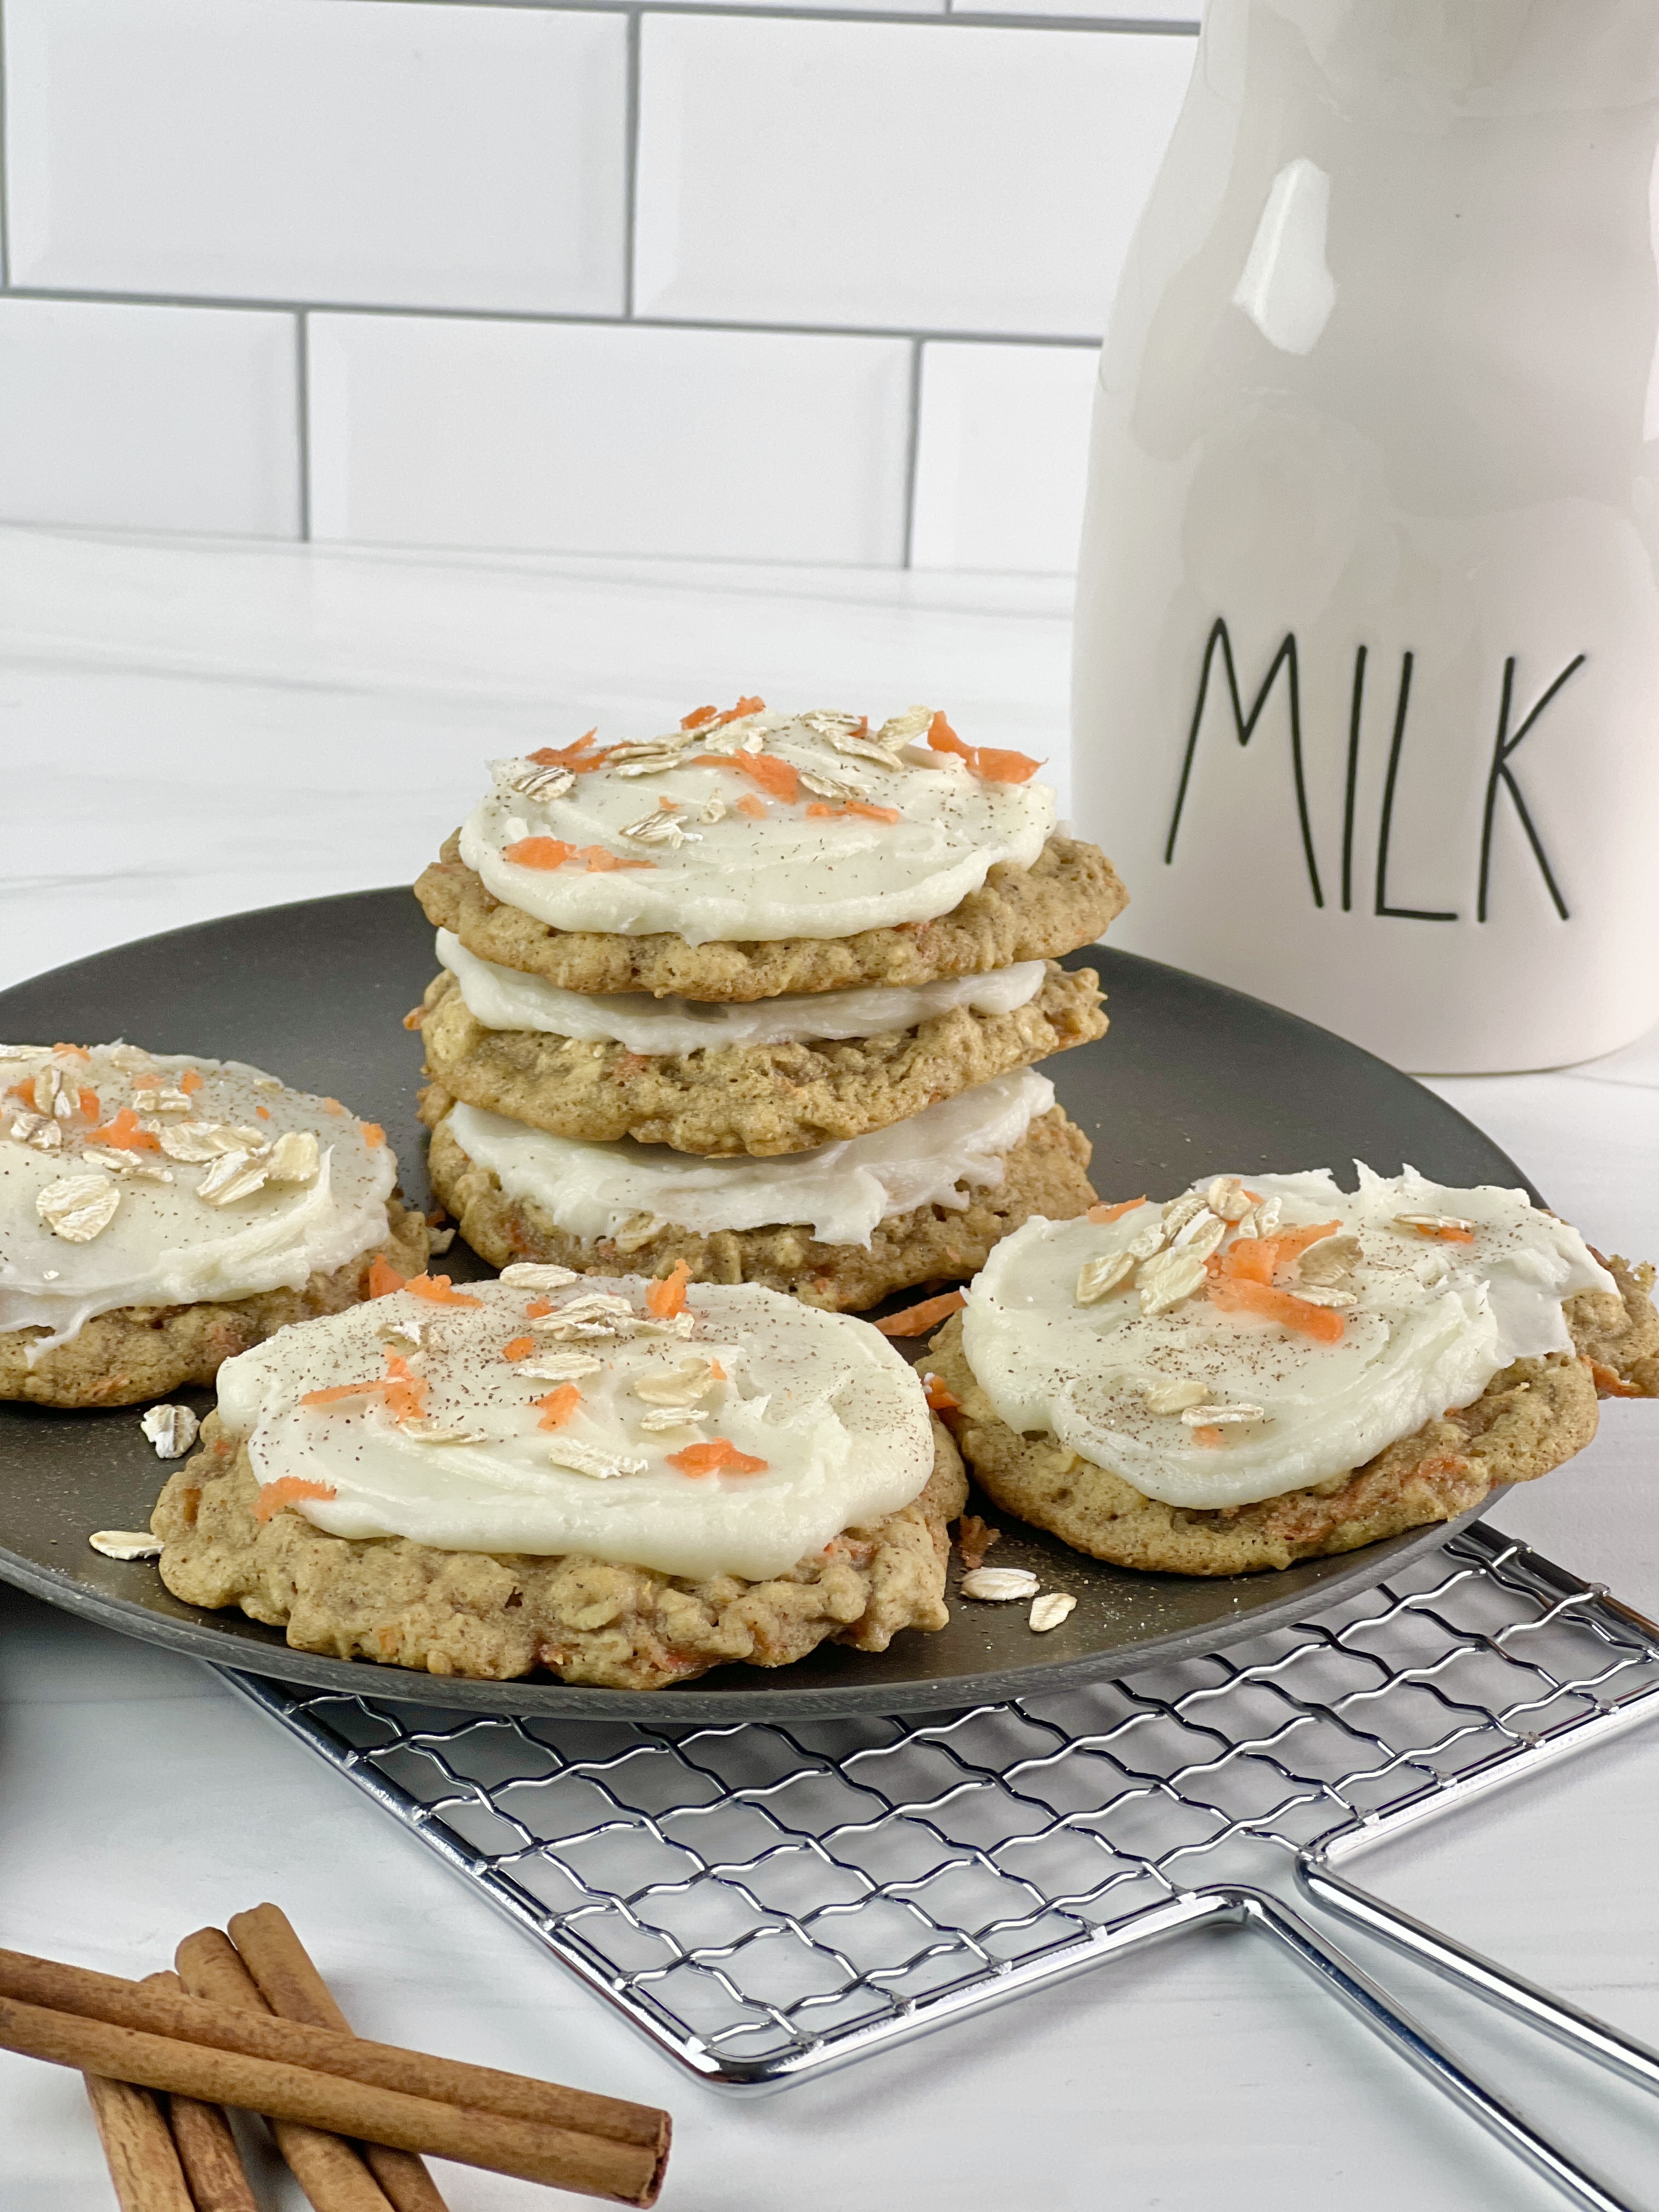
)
(843, 1191)
(133, 1179)
(1276, 1368)
(508, 999)
(753, 828)
(736, 1437)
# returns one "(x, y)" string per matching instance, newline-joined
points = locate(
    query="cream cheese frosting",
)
(737, 1438)
(842, 1191)
(508, 999)
(756, 825)
(130, 1178)
(1207, 1396)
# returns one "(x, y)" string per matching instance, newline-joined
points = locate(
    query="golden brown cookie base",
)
(762, 1099)
(1531, 1418)
(1065, 898)
(1045, 1173)
(496, 1617)
(135, 1352)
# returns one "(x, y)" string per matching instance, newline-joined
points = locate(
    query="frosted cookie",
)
(1242, 1378)
(754, 853)
(159, 1214)
(776, 1075)
(625, 1483)
(922, 1201)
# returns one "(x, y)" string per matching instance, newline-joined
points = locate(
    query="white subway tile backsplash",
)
(367, 151)
(894, 175)
(1184, 14)
(147, 418)
(608, 439)
(1002, 454)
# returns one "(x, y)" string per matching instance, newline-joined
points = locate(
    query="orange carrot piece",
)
(1248, 1260)
(941, 1399)
(944, 739)
(599, 862)
(374, 1135)
(1100, 1215)
(779, 779)
(539, 852)
(125, 1135)
(339, 1391)
(916, 1321)
(330, 1106)
(1206, 1435)
(1610, 1383)
(75, 1051)
(575, 756)
(436, 1290)
(190, 1083)
(743, 707)
(718, 1372)
(288, 1491)
(753, 807)
(855, 807)
(405, 1391)
(699, 718)
(1239, 1294)
(263, 1113)
(1444, 1232)
(383, 1278)
(88, 1102)
(520, 1348)
(536, 1308)
(556, 1407)
(992, 766)
(719, 1455)
(1290, 1243)
(666, 1298)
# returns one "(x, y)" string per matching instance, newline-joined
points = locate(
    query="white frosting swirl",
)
(788, 873)
(836, 1415)
(508, 999)
(164, 1245)
(1432, 1321)
(841, 1191)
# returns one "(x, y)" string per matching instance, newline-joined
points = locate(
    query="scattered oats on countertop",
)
(172, 1429)
(126, 1544)
(1050, 1609)
(1000, 1585)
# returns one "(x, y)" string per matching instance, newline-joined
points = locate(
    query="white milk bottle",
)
(1367, 688)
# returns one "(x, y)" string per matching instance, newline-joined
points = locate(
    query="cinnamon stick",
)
(290, 1985)
(51, 1985)
(590, 2165)
(138, 2150)
(207, 2149)
(329, 2172)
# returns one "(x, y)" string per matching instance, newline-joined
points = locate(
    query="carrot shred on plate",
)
(1100, 1215)
(719, 1455)
(520, 1348)
(1241, 1294)
(665, 1298)
(916, 1321)
(287, 1490)
(436, 1290)
(556, 1407)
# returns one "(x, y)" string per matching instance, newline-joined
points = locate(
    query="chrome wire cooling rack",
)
(765, 1900)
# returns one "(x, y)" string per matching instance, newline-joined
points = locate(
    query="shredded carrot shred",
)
(1101, 1214)
(190, 1083)
(941, 1399)
(916, 1321)
(599, 862)
(944, 739)
(718, 1372)
(1256, 1259)
(986, 761)
(1240, 1294)
(405, 1391)
(536, 1308)
(666, 1298)
(436, 1290)
(75, 1051)
(330, 1106)
(576, 757)
(263, 1113)
(826, 812)
(374, 1135)
(1208, 1436)
(1444, 1233)
(719, 1455)
(779, 779)
(125, 1134)
(337, 1391)
(383, 1278)
(743, 707)
(288, 1490)
(89, 1104)
(556, 1407)
(539, 852)
(753, 807)
(1610, 1383)
(520, 1348)
(699, 718)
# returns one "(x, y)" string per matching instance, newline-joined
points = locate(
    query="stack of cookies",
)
(765, 995)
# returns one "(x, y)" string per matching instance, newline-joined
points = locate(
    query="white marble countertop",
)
(191, 729)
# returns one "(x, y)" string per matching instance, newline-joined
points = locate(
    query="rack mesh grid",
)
(767, 1900)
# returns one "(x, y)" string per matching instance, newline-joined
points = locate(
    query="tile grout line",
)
(302, 418)
(947, 12)
(554, 317)
(631, 159)
(912, 451)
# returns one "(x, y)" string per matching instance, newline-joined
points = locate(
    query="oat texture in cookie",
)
(149, 1202)
(934, 1240)
(724, 1097)
(1346, 1366)
(757, 824)
(1065, 898)
(690, 1496)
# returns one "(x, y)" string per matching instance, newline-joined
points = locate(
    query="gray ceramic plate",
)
(1192, 1079)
